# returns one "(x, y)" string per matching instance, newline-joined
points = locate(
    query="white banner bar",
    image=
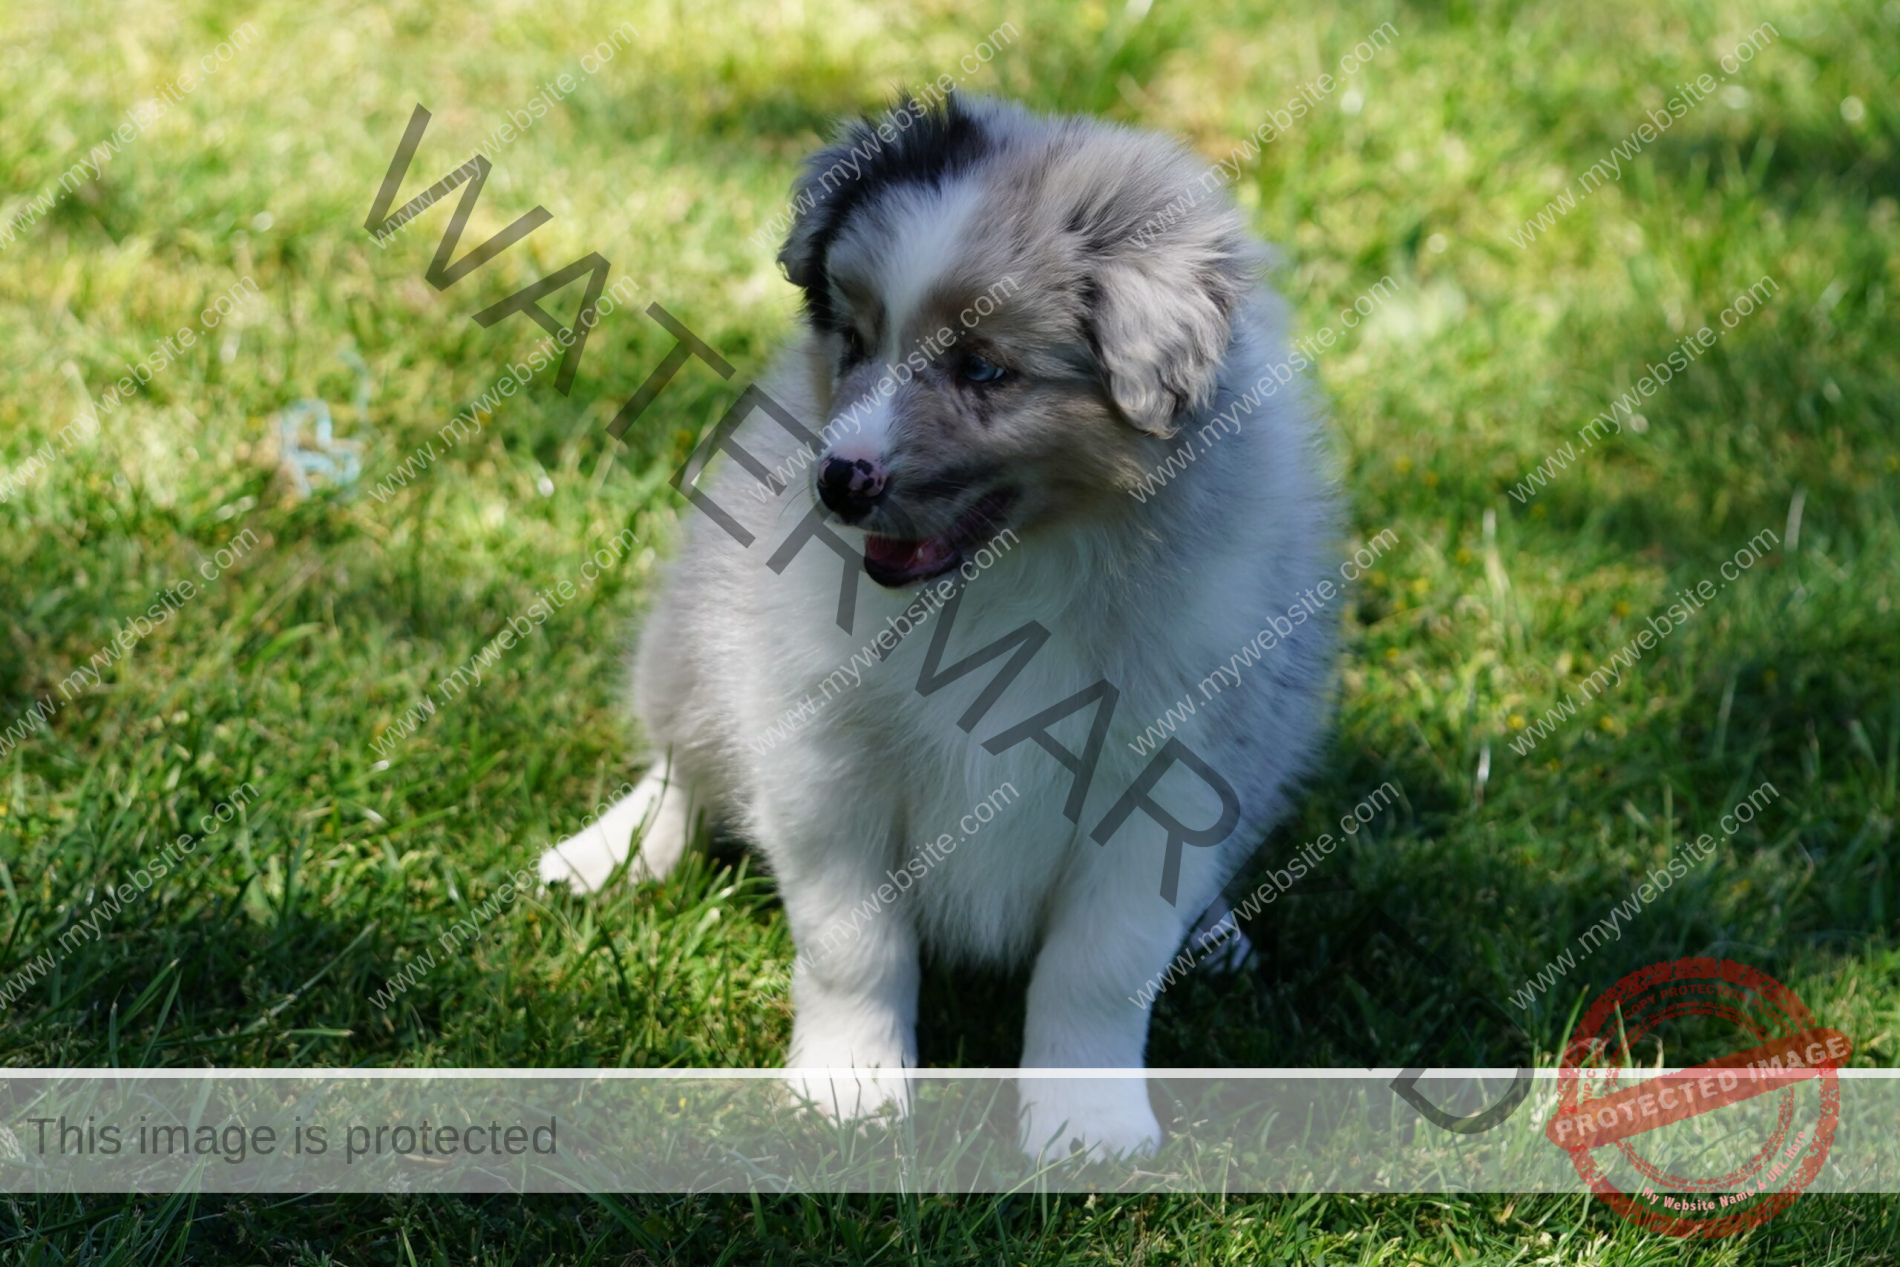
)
(1677, 1137)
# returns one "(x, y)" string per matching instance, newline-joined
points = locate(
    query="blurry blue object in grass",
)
(337, 462)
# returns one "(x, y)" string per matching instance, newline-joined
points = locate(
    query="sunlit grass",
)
(667, 160)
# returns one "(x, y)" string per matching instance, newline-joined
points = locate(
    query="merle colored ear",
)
(911, 143)
(821, 198)
(1162, 301)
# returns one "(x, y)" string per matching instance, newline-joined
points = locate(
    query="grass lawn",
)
(261, 699)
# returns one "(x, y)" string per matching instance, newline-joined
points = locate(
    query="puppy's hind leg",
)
(656, 814)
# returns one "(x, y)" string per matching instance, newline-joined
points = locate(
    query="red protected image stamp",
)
(1606, 1106)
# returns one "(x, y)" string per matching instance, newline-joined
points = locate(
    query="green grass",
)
(266, 948)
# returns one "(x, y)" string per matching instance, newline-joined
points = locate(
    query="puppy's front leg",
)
(1105, 942)
(854, 995)
(658, 805)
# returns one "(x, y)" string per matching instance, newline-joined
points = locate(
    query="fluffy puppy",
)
(1011, 324)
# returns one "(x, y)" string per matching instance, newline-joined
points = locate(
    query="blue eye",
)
(977, 370)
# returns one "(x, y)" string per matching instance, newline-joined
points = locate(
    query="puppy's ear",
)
(1161, 316)
(821, 197)
(912, 143)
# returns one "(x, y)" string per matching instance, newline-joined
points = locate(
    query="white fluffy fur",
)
(1151, 596)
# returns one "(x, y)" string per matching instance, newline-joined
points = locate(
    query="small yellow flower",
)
(1516, 721)
(1402, 464)
(1622, 609)
(1420, 585)
(1431, 479)
(1605, 724)
(1464, 554)
(1391, 653)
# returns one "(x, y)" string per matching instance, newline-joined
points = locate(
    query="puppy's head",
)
(1008, 316)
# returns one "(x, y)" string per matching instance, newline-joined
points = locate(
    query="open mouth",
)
(894, 562)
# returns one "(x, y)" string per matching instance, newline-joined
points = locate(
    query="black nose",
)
(849, 488)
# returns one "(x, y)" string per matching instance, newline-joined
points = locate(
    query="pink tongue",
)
(907, 556)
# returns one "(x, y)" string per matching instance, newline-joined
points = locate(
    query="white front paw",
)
(653, 816)
(851, 1073)
(1099, 1118)
(851, 1095)
(582, 861)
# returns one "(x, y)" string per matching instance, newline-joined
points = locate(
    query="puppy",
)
(1013, 743)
